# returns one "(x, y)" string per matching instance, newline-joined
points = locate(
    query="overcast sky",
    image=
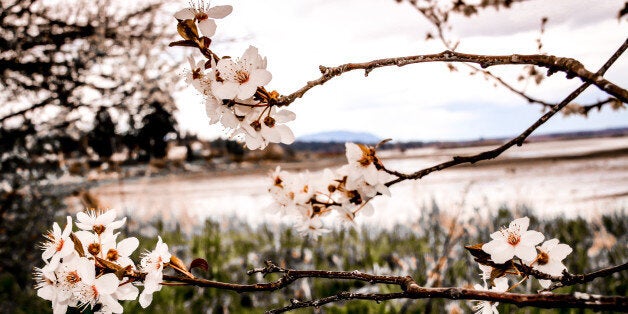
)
(423, 101)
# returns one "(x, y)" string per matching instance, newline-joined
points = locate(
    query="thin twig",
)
(612, 303)
(519, 140)
(411, 290)
(571, 67)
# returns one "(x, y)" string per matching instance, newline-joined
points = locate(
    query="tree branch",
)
(519, 140)
(43, 103)
(612, 303)
(411, 290)
(571, 67)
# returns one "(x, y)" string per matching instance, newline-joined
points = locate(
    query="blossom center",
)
(197, 74)
(513, 238)
(241, 76)
(95, 292)
(60, 245)
(93, 249)
(158, 264)
(99, 229)
(200, 16)
(73, 277)
(542, 258)
(112, 255)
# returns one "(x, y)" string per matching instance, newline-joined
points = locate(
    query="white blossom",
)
(489, 307)
(549, 260)
(98, 290)
(58, 244)
(99, 222)
(312, 227)
(486, 272)
(270, 129)
(204, 15)
(152, 263)
(198, 77)
(516, 240)
(119, 252)
(240, 79)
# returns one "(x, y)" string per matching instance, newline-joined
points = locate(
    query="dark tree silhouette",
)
(102, 137)
(152, 136)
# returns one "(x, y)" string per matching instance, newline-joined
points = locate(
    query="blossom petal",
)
(86, 270)
(207, 27)
(545, 283)
(272, 134)
(225, 90)
(116, 224)
(284, 116)
(522, 224)
(227, 69)
(260, 77)
(107, 284)
(247, 90)
(502, 254)
(185, 14)
(531, 237)
(249, 59)
(219, 11)
(287, 137)
(252, 142)
(106, 217)
(48, 253)
(84, 218)
(145, 299)
(127, 246)
(59, 307)
(497, 235)
(68, 227)
(353, 152)
(127, 292)
(549, 245)
(525, 252)
(67, 249)
(561, 251)
(229, 120)
(56, 230)
(501, 284)
(46, 292)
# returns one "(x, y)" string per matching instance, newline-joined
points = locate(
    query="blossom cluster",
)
(346, 191)
(90, 268)
(233, 90)
(517, 244)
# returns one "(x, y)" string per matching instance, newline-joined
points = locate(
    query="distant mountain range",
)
(340, 137)
(333, 141)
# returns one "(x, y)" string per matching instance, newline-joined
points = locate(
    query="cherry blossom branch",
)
(405, 282)
(289, 276)
(571, 67)
(612, 303)
(568, 279)
(411, 290)
(519, 140)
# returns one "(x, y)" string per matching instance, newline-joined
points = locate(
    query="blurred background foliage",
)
(423, 249)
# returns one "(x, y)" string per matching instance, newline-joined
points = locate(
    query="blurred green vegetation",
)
(233, 248)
